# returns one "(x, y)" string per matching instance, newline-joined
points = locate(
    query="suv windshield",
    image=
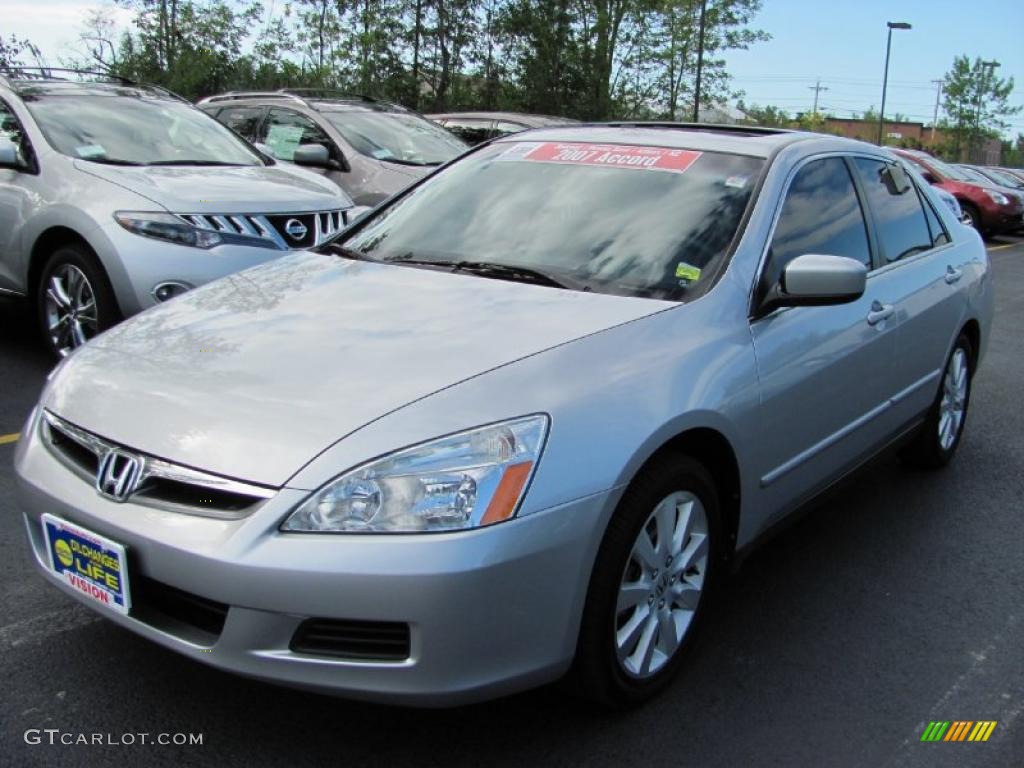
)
(396, 137)
(629, 220)
(125, 126)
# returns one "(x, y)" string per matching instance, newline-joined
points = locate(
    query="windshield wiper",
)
(190, 162)
(109, 161)
(416, 163)
(497, 271)
(348, 253)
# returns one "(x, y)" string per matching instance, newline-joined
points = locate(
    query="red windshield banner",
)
(613, 155)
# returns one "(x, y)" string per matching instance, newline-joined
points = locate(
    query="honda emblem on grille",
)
(118, 475)
(295, 229)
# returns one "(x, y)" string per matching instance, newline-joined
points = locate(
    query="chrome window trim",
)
(152, 467)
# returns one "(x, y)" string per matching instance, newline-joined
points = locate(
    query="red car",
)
(990, 210)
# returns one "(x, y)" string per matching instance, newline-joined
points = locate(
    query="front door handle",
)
(952, 274)
(879, 312)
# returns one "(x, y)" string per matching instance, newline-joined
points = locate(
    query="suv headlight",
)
(167, 226)
(466, 480)
(996, 197)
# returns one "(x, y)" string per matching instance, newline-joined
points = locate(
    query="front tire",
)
(650, 583)
(940, 435)
(74, 299)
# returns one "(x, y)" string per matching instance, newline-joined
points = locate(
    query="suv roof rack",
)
(12, 74)
(304, 95)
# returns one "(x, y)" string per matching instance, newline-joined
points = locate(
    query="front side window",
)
(900, 220)
(286, 131)
(11, 130)
(628, 220)
(244, 121)
(821, 215)
(127, 126)
(396, 137)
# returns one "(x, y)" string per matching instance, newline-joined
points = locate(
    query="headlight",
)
(466, 480)
(996, 197)
(167, 226)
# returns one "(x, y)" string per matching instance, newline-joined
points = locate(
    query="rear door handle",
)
(879, 312)
(952, 274)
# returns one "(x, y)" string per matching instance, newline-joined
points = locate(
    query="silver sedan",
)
(515, 422)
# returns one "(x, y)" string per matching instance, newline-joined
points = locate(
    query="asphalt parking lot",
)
(897, 601)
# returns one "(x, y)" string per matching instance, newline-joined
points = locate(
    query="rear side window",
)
(244, 121)
(821, 215)
(938, 232)
(896, 207)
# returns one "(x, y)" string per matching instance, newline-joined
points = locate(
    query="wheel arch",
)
(972, 330)
(49, 240)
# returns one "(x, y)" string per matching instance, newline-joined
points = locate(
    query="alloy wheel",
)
(954, 399)
(71, 313)
(661, 585)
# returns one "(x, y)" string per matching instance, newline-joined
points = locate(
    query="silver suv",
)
(452, 456)
(369, 148)
(115, 197)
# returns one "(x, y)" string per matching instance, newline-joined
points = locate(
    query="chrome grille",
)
(269, 227)
(161, 483)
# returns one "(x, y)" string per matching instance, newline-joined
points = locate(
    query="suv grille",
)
(349, 639)
(283, 231)
(161, 483)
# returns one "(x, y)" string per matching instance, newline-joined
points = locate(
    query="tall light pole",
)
(986, 68)
(700, 62)
(885, 78)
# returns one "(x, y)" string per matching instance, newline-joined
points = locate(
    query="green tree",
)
(767, 116)
(18, 52)
(976, 102)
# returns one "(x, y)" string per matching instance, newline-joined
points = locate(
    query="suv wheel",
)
(940, 435)
(649, 584)
(74, 299)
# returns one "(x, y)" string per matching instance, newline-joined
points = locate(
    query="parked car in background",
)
(953, 205)
(369, 148)
(116, 196)
(476, 127)
(1017, 173)
(990, 210)
(996, 176)
(516, 420)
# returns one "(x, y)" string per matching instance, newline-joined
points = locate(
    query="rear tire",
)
(650, 584)
(74, 299)
(939, 436)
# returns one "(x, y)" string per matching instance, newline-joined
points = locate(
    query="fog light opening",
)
(170, 289)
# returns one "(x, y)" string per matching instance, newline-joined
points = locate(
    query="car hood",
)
(224, 189)
(255, 374)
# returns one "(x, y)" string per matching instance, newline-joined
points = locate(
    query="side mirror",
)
(815, 280)
(9, 155)
(312, 155)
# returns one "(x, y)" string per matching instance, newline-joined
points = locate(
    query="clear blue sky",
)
(840, 41)
(843, 44)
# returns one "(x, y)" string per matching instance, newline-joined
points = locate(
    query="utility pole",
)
(935, 117)
(817, 88)
(986, 68)
(700, 62)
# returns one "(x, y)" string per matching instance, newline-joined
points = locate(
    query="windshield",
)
(397, 137)
(129, 127)
(629, 220)
(948, 171)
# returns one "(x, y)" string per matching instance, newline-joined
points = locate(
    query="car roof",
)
(734, 139)
(43, 81)
(512, 117)
(316, 99)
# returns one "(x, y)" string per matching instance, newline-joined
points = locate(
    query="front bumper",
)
(489, 611)
(137, 264)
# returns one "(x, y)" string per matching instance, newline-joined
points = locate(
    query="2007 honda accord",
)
(515, 422)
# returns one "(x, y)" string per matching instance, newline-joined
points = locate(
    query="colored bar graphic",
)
(958, 730)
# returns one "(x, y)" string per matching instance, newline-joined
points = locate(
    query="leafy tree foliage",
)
(591, 59)
(976, 101)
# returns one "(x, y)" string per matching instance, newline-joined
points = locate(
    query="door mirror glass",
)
(817, 280)
(9, 157)
(312, 155)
